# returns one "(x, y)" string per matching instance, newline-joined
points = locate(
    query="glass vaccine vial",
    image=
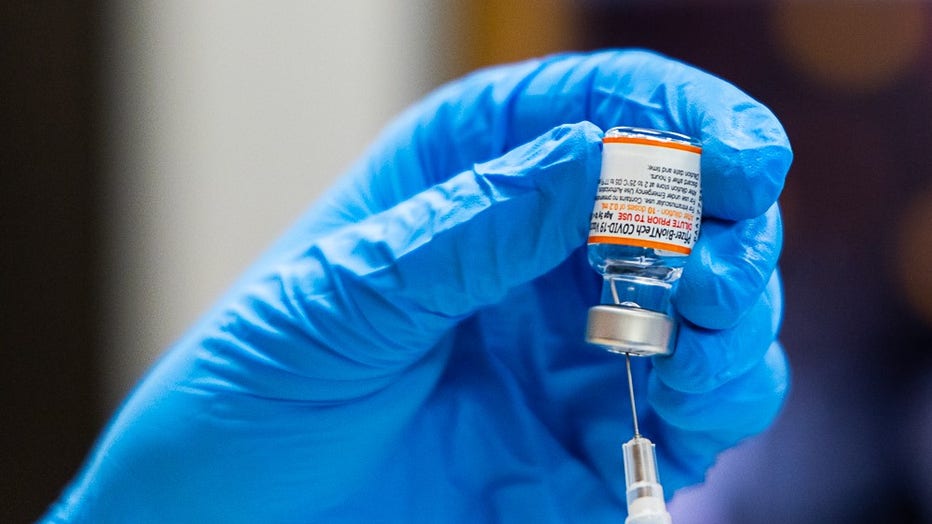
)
(645, 222)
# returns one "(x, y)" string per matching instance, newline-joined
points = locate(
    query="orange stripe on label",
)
(636, 242)
(651, 142)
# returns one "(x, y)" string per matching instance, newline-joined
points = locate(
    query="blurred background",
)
(151, 150)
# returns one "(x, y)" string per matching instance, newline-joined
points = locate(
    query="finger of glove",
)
(688, 449)
(706, 359)
(372, 297)
(743, 406)
(745, 151)
(728, 269)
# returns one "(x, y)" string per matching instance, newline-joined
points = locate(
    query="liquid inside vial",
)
(637, 276)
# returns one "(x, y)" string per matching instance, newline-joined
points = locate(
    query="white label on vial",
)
(649, 195)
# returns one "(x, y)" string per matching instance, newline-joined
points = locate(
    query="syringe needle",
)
(634, 411)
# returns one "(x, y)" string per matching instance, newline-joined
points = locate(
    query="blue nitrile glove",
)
(412, 349)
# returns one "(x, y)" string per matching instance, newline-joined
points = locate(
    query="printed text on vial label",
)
(649, 198)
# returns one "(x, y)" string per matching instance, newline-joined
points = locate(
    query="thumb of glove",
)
(373, 297)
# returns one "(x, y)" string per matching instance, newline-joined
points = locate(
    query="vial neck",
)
(633, 290)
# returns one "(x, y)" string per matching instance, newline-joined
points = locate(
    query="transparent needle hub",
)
(643, 489)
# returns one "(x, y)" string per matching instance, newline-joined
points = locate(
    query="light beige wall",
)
(226, 119)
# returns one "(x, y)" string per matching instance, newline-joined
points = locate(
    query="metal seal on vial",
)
(623, 329)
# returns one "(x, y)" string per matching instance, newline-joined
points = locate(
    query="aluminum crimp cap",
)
(622, 329)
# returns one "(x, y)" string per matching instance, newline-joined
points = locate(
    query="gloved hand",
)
(412, 349)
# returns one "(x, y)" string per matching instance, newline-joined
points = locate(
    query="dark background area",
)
(49, 331)
(855, 441)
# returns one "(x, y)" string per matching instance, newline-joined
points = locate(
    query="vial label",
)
(649, 195)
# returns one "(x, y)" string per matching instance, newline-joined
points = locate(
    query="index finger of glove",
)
(373, 297)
